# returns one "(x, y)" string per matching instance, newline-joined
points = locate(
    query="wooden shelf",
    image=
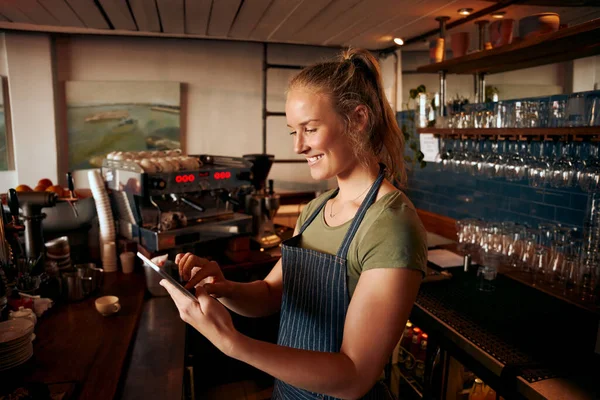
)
(574, 133)
(578, 41)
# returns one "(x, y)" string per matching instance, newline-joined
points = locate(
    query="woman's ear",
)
(360, 117)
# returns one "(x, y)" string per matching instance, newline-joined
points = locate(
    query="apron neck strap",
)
(360, 214)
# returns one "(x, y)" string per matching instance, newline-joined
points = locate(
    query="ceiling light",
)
(498, 14)
(465, 11)
(398, 41)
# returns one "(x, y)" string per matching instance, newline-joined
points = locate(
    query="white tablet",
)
(166, 276)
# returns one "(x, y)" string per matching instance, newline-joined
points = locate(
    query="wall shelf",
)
(578, 41)
(587, 132)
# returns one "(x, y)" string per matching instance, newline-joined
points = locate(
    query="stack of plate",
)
(59, 251)
(106, 220)
(15, 342)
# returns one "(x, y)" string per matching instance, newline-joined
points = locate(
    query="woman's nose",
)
(299, 144)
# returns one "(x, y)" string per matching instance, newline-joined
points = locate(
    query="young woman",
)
(347, 280)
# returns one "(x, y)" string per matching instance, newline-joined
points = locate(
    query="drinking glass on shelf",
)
(557, 111)
(538, 168)
(593, 109)
(588, 278)
(539, 264)
(530, 110)
(575, 112)
(493, 167)
(589, 176)
(515, 167)
(528, 252)
(558, 257)
(570, 274)
(562, 171)
(512, 244)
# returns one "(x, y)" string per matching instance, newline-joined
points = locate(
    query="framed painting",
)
(120, 116)
(6, 156)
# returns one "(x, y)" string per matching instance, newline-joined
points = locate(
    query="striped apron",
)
(315, 299)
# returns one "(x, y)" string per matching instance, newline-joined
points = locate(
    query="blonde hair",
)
(354, 80)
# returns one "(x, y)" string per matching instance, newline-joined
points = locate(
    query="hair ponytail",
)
(356, 80)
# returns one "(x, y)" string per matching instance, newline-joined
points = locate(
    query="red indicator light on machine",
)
(185, 178)
(222, 175)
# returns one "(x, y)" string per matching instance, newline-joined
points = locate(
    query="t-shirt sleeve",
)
(396, 239)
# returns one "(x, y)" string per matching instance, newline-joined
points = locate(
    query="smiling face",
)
(318, 132)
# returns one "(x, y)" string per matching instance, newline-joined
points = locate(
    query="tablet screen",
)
(166, 276)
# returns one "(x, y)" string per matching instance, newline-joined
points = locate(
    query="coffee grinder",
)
(263, 203)
(31, 203)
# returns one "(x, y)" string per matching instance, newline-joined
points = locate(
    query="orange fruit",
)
(39, 189)
(45, 182)
(56, 189)
(23, 188)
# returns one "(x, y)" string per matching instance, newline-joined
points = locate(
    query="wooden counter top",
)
(75, 344)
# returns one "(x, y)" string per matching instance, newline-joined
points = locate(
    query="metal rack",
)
(265, 112)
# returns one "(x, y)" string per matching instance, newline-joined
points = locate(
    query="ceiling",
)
(361, 23)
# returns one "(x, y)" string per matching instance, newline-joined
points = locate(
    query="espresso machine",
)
(262, 203)
(164, 209)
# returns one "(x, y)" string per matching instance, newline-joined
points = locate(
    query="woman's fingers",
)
(208, 269)
(188, 264)
(180, 264)
(181, 301)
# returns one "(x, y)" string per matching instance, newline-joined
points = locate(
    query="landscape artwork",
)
(3, 133)
(120, 116)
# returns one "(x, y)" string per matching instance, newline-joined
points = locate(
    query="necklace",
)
(332, 215)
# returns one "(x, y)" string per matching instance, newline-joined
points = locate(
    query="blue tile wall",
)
(459, 195)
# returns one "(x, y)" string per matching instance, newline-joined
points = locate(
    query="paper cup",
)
(127, 262)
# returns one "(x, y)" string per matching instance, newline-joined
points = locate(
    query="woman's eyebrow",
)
(306, 122)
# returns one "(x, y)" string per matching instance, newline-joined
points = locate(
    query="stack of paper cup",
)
(106, 220)
(109, 256)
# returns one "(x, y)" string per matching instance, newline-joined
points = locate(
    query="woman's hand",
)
(200, 272)
(207, 316)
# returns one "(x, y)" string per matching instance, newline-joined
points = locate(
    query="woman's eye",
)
(311, 130)
(293, 133)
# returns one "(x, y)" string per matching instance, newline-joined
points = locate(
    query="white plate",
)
(18, 361)
(14, 329)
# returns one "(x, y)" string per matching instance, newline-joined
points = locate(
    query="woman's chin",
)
(319, 175)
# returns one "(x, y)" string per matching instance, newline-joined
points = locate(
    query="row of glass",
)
(554, 164)
(552, 254)
(574, 110)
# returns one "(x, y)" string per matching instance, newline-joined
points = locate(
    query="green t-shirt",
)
(391, 235)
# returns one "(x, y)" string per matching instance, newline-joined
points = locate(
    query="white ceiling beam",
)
(197, 13)
(386, 11)
(36, 12)
(248, 17)
(145, 14)
(118, 14)
(342, 22)
(11, 11)
(276, 15)
(87, 11)
(172, 15)
(61, 12)
(301, 16)
(320, 21)
(221, 17)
